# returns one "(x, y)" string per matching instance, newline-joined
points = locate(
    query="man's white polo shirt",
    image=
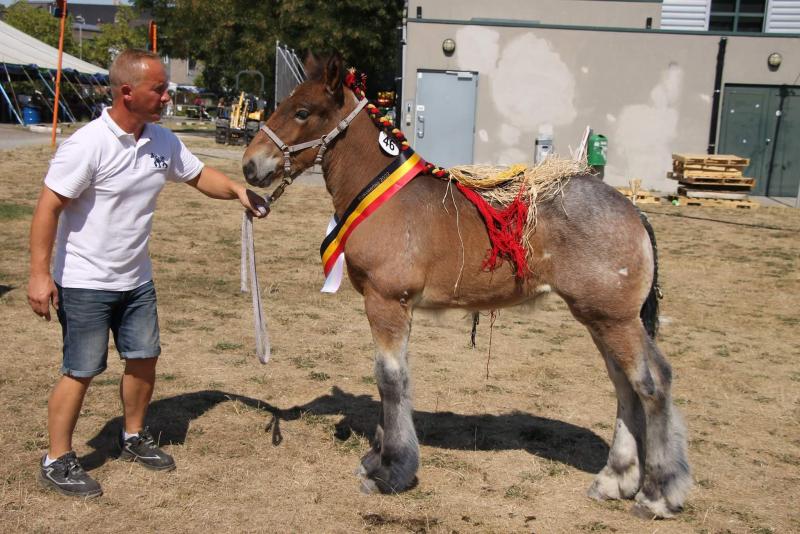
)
(113, 181)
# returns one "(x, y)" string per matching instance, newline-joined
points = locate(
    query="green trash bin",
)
(597, 154)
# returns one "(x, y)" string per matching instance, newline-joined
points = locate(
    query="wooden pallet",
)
(679, 166)
(704, 193)
(642, 197)
(712, 159)
(740, 182)
(709, 174)
(715, 203)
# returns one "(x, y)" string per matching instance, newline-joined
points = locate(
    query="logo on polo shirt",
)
(159, 162)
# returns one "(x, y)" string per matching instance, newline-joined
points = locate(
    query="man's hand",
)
(215, 184)
(41, 291)
(253, 202)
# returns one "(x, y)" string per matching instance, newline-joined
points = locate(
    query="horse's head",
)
(312, 110)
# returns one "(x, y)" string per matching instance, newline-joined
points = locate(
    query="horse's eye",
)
(302, 114)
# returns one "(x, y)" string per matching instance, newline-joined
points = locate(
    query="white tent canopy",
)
(18, 48)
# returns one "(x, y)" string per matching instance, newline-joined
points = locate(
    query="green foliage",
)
(114, 38)
(39, 23)
(228, 36)
(363, 31)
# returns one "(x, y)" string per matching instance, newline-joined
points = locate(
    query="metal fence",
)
(289, 71)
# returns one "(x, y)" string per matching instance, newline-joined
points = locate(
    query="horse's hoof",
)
(368, 487)
(648, 509)
(613, 486)
(596, 495)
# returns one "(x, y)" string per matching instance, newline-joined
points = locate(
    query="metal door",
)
(444, 125)
(783, 177)
(762, 123)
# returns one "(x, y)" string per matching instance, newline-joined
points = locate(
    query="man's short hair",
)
(127, 67)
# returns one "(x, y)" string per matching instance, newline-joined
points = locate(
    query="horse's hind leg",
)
(392, 463)
(621, 478)
(666, 478)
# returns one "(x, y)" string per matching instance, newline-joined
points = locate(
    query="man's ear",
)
(125, 90)
(334, 73)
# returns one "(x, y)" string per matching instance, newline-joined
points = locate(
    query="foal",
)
(425, 248)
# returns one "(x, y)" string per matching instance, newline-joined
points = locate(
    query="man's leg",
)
(136, 390)
(137, 338)
(62, 413)
(85, 318)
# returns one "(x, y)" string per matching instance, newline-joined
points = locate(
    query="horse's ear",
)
(334, 74)
(312, 66)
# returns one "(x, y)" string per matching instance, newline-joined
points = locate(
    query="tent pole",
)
(33, 84)
(67, 112)
(63, 101)
(13, 95)
(78, 92)
(10, 105)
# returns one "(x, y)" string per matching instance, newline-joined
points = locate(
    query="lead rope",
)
(248, 273)
(248, 270)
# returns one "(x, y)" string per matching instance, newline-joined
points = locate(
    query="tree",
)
(228, 36)
(114, 38)
(363, 31)
(39, 23)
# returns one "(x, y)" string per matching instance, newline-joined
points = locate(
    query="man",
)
(100, 193)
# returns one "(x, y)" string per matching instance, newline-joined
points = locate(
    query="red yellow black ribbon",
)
(383, 187)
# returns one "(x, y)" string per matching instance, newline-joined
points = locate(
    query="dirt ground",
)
(513, 452)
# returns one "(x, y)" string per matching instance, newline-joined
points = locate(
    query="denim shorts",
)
(86, 316)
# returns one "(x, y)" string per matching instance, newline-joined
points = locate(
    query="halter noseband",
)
(322, 142)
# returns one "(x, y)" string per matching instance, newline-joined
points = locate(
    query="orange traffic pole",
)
(152, 34)
(58, 72)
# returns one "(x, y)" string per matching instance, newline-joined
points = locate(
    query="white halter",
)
(322, 142)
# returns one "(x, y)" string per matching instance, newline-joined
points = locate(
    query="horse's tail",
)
(649, 311)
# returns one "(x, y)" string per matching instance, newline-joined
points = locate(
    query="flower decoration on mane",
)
(356, 82)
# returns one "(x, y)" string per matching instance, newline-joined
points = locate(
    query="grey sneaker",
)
(142, 448)
(66, 476)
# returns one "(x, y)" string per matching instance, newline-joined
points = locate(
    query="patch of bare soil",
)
(511, 453)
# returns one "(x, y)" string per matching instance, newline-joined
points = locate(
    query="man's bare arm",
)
(215, 184)
(41, 288)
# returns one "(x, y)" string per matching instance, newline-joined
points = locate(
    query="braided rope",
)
(356, 82)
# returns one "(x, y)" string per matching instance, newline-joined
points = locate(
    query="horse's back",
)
(600, 253)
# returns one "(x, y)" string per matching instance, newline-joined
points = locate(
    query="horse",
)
(591, 247)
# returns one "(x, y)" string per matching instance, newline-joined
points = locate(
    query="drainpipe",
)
(712, 132)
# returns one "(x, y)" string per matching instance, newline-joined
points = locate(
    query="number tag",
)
(388, 144)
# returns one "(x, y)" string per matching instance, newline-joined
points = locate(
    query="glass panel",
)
(750, 24)
(720, 23)
(724, 6)
(752, 6)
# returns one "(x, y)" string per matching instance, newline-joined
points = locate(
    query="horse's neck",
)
(354, 160)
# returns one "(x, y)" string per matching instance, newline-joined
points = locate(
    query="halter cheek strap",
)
(322, 142)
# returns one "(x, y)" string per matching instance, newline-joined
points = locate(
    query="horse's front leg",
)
(391, 465)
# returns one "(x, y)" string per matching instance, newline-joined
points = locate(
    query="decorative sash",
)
(383, 187)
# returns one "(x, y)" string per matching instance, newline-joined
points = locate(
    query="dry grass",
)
(512, 453)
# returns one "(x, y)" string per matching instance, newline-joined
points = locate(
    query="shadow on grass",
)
(5, 289)
(581, 448)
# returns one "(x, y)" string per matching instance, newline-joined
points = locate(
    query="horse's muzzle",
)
(250, 169)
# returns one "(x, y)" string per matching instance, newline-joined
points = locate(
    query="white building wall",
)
(650, 93)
